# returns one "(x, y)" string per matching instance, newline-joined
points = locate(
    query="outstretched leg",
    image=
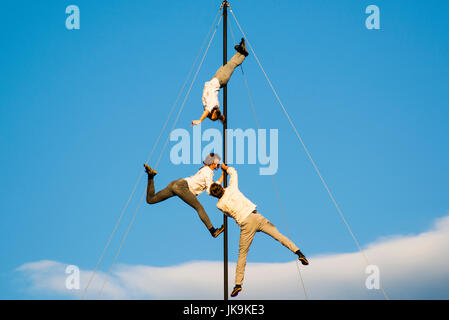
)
(161, 195)
(268, 228)
(181, 189)
(224, 72)
(247, 232)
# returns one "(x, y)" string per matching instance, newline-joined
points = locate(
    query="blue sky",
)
(81, 109)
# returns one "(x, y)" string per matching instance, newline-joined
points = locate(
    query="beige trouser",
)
(224, 72)
(253, 223)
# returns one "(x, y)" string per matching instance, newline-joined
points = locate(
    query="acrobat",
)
(188, 189)
(211, 88)
(235, 205)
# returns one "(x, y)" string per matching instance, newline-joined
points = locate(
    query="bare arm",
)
(233, 181)
(220, 181)
(203, 116)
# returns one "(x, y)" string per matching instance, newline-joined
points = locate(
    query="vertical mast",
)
(225, 126)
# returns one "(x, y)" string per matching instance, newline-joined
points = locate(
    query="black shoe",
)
(216, 232)
(241, 48)
(302, 258)
(236, 290)
(150, 171)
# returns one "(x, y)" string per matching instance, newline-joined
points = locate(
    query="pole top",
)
(225, 4)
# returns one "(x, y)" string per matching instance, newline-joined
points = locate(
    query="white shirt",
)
(233, 203)
(201, 180)
(210, 94)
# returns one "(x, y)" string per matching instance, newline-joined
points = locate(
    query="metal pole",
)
(225, 126)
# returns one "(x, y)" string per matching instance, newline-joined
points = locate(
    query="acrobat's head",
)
(216, 190)
(216, 115)
(212, 161)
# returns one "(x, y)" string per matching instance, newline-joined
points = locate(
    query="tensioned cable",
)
(141, 198)
(272, 177)
(151, 154)
(307, 151)
(275, 187)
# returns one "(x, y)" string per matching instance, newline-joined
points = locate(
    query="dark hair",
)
(219, 115)
(216, 190)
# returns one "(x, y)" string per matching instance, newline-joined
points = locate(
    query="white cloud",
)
(411, 267)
